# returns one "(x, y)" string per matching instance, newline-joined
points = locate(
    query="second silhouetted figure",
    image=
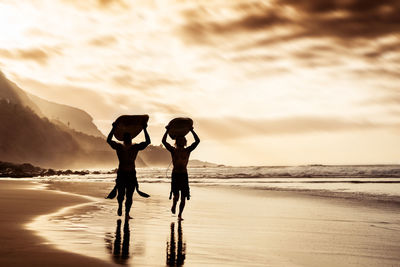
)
(179, 178)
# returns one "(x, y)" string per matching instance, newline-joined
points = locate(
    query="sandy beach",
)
(223, 226)
(20, 203)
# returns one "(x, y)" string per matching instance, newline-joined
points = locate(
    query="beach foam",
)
(370, 181)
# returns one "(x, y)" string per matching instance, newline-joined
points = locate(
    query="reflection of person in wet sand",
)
(179, 178)
(120, 256)
(126, 175)
(176, 252)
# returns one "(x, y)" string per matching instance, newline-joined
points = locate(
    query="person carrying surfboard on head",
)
(126, 181)
(180, 158)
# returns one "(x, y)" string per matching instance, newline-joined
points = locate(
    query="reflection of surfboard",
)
(132, 124)
(179, 127)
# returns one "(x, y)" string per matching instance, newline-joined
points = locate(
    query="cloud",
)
(390, 74)
(341, 20)
(166, 108)
(236, 128)
(103, 41)
(110, 2)
(145, 81)
(199, 28)
(328, 6)
(388, 100)
(279, 37)
(316, 56)
(37, 55)
(346, 19)
(382, 50)
(254, 58)
(98, 4)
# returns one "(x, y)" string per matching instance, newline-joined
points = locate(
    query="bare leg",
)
(174, 201)
(128, 204)
(128, 201)
(181, 207)
(121, 193)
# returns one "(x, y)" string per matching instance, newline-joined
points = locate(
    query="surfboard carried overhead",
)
(179, 127)
(132, 124)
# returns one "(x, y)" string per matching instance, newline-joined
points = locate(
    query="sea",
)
(376, 181)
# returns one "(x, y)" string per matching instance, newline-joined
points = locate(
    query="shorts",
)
(180, 182)
(126, 180)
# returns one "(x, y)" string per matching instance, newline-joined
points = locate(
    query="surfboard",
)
(132, 124)
(179, 127)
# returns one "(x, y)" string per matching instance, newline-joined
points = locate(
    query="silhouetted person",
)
(176, 251)
(126, 175)
(179, 178)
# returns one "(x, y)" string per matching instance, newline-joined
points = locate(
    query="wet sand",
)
(19, 204)
(222, 226)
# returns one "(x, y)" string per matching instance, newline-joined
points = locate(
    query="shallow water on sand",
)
(226, 227)
(95, 230)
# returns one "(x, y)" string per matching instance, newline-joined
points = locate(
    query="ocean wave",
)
(379, 180)
(312, 171)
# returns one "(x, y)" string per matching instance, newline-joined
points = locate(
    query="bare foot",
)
(173, 209)
(128, 217)
(119, 212)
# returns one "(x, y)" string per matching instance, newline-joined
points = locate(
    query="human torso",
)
(180, 159)
(127, 155)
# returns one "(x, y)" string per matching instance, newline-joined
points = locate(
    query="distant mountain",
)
(155, 156)
(199, 163)
(74, 118)
(10, 92)
(52, 135)
(25, 137)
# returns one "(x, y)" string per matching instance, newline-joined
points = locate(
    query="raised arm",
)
(196, 141)
(112, 143)
(165, 143)
(147, 141)
(146, 136)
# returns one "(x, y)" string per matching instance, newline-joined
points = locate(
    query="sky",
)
(282, 82)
